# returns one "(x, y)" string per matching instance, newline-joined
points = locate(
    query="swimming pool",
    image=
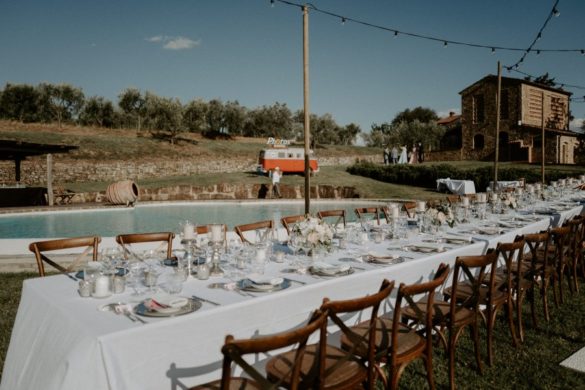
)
(158, 217)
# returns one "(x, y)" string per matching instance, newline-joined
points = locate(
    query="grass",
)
(534, 365)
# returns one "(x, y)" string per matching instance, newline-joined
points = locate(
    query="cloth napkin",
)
(265, 280)
(330, 269)
(165, 303)
(381, 257)
(457, 239)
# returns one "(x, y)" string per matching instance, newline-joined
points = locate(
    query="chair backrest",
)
(165, 239)
(407, 295)
(574, 240)
(409, 208)
(364, 345)
(340, 214)
(513, 254)
(290, 220)
(560, 237)
(537, 243)
(373, 212)
(38, 248)
(233, 350)
(453, 199)
(472, 271)
(261, 229)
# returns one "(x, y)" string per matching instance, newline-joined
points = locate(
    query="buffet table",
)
(459, 187)
(62, 341)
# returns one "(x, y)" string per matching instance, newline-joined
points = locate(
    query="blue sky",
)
(248, 51)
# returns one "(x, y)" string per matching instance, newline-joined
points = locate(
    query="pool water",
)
(157, 217)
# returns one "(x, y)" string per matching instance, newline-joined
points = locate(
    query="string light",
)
(421, 36)
(554, 12)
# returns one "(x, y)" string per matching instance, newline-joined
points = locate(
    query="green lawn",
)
(535, 365)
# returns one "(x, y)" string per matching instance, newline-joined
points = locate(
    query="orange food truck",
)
(287, 159)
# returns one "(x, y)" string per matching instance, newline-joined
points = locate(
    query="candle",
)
(101, 287)
(421, 206)
(465, 201)
(261, 254)
(395, 212)
(279, 257)
(216, 233)
(188, 231)
(530, 189)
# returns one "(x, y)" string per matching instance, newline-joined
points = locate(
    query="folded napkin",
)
(330, 269)
(427, 248)
(490, 231)
(165, 303)
(376, 257)
(265, 280)
(457, 239)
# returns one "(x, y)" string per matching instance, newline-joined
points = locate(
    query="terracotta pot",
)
(122, 192)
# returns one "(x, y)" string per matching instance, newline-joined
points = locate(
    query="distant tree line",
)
(165, 117)
(408, 127)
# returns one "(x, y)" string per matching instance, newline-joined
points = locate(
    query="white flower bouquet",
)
(440, 215)
(313, 233)
(509, 200)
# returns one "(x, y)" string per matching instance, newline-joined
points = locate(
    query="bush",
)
(426, 175)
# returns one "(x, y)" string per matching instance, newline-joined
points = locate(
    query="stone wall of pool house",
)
(34, 170)
(225, 191)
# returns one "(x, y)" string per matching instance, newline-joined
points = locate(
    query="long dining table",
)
(62, 341)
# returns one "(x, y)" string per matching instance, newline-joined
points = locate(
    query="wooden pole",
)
(307, 123)
(497, 150)
(50, 179)
(543, 143)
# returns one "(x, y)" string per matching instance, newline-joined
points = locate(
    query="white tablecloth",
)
(61, 341)
(459, 187)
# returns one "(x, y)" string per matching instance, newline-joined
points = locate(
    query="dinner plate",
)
(458, 240)
(247, 285)
(426, 248)
(191, 306)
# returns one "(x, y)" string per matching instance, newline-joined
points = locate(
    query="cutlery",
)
(204, 300)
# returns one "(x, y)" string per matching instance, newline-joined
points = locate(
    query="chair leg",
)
(532, 299)
(475, 335)
(543, 292)
(429, 366)
(451, 351)
(491, 320)
(510, 311)
(519, 301)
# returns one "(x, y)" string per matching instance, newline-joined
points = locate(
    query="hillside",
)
(129, 144)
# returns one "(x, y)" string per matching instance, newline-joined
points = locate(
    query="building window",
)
(504, 108)
(478, 142)
(478, 109)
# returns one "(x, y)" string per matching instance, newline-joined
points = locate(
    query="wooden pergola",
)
(18, 151)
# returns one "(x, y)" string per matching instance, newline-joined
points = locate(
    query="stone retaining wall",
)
(225, 191)
(34, 171)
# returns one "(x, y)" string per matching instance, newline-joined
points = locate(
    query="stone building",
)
(521, 121)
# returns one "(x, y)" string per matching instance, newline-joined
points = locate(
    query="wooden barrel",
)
(122, 192)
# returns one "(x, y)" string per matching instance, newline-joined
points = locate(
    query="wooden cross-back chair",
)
(165, 239)
(575, 250)
(289, 221)
(351, 367)
(234, 350)
(262, 231)
(396, 343)
(338, 216)
(39, 248)
(540, 271)
(560, 251)
(409, 208)
(373, 212)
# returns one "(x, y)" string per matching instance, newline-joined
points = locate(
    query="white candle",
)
(261, 254)
(465, 201)
(188, 231)
(530, 189)
(395, 212)
(216, 233)
(421, 206)
(101, 286)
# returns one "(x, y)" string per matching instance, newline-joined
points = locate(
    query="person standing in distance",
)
(276, 176)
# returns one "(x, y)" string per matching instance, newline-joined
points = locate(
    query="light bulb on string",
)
(272, 3)
(582, 52)
(343, 21)
(538, 52)
(395, 34)
(539, 36)
(556, 12)
(445, 44)
(493, 50)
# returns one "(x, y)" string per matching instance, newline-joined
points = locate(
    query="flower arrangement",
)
(313, 233)
(509, 200)
(440, 214)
